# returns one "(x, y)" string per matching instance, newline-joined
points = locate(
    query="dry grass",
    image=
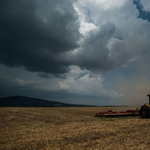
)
(70, 128)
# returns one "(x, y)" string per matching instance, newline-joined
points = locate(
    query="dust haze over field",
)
(137, 86)
(76, 51)
(71, 128)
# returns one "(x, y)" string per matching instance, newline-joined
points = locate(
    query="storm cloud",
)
(34, 33)
(49, 36)
(77, 49)
(94, 53)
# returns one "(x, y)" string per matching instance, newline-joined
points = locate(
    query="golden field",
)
(71, 128)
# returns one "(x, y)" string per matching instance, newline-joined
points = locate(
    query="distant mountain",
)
(21, 101)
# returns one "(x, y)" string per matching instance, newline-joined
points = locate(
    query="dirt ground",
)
(71, 128)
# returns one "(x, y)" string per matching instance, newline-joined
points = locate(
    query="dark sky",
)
(89, 52)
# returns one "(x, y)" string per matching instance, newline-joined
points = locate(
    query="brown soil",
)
(71, 128)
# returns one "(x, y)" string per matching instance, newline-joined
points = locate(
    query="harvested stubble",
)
(70, 128)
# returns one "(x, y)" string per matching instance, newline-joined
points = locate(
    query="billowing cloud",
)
(64, 48)
(45, 36)
(94, 53)
(145, 4)
(117, 37)
(34, 33)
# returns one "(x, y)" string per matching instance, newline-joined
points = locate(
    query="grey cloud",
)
(46, 75)
(35, 32)
(41, 35)
(145, 4)
(94, 53)
(122, 38)
(11, 87)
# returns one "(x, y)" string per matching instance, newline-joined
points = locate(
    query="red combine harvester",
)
(144, 112)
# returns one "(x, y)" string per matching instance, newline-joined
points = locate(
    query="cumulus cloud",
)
(63, 47)
(93, 54)
(34, 33)
(49, 36)
(145, 4)
(117, 36)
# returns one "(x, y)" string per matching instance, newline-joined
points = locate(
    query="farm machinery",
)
(144, 112)
(145, 109)
(111, 113)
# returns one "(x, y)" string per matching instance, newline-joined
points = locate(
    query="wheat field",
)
(71, 129)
